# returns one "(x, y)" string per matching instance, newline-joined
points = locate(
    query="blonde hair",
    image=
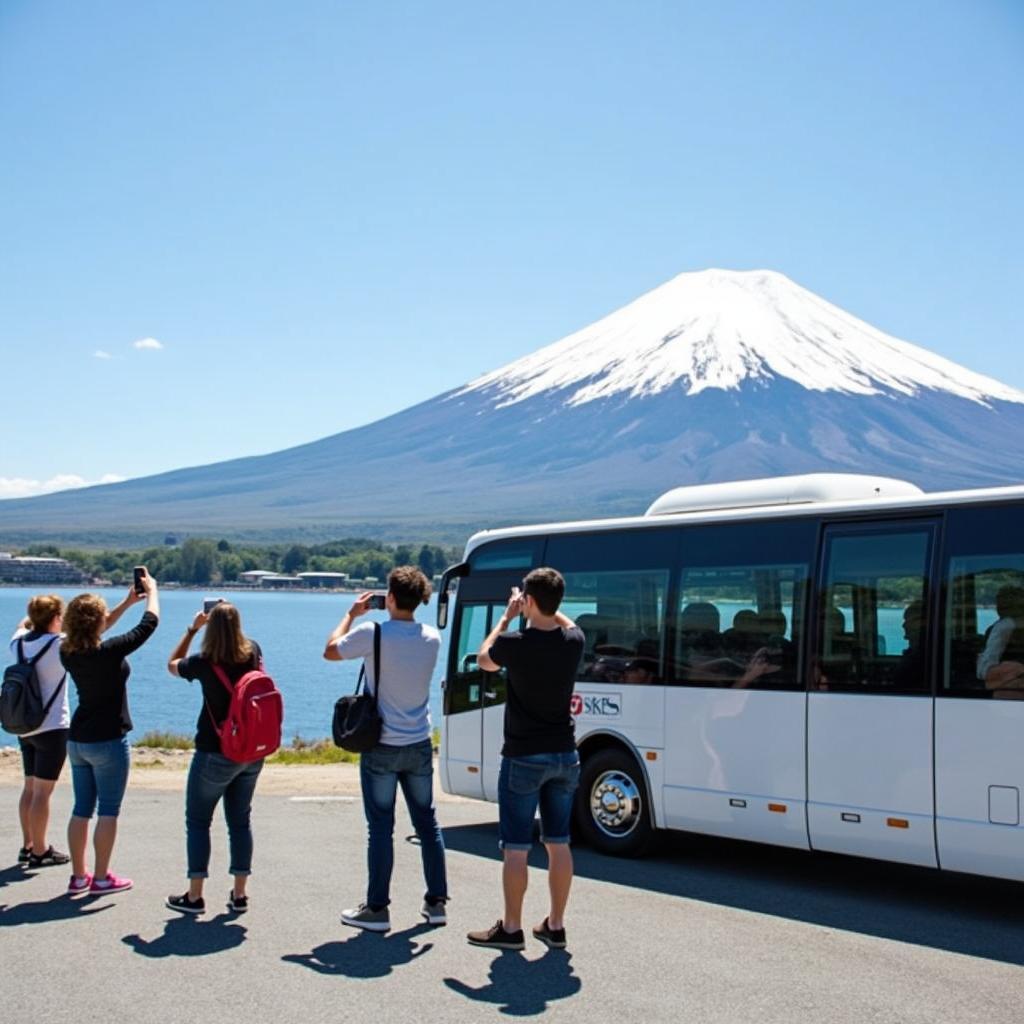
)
(84, 620)
(41, 611)
(224, 643)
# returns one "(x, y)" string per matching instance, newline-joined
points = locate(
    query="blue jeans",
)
(381, 771)
(210, 777)
(524, 783)
(99, 776)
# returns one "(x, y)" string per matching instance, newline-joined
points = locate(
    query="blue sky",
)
(324, 212)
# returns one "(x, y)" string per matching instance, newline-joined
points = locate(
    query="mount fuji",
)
(716, 375)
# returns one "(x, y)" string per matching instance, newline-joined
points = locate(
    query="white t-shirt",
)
(50, 674)
(408, 654)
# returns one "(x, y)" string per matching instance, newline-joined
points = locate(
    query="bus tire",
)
(612, 808)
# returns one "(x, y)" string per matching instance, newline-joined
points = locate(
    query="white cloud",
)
(100, 354)
(147, 343)
(20, 487)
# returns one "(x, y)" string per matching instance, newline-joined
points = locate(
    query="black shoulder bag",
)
(357, 722)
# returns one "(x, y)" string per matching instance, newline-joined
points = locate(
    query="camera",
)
(137, 575)
(378, 602)
(210, 603)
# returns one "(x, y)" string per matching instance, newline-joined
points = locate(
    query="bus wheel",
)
(611, 805)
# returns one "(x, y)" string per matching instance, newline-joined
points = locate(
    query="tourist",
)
(404, 755)
(98, 742)
(43, 750)
(539, 764)
(212, 776)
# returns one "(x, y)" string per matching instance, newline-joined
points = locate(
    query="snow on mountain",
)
(719, 328)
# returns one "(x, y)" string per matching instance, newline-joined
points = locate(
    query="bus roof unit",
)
(810, 488)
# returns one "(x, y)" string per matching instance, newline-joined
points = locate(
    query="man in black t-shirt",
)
(539, 762)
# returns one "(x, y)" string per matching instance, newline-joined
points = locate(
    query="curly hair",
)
(84, 620)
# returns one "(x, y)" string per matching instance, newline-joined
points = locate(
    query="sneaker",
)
(364, 917)
(48, 859)
(184, 905)
(237, 904)
(23, 854)
(110, 884)
(553, 938)
(79, 886)
(434, 912)
(497, 938)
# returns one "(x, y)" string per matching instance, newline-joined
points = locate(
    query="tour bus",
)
(827, 662)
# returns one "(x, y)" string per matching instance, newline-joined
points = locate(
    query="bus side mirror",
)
(452, 573)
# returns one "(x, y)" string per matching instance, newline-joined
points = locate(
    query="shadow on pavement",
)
(959, 913)
(190, 936)
(366, 954)
(60, 908)
(522, 987)
(8, 876)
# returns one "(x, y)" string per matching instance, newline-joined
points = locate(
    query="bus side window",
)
(622, 616)
(873, 612)
(984, 615)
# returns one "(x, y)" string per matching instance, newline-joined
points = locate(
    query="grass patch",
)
(312, 752)
(165, 741)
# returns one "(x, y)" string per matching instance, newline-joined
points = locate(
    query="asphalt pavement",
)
(705, 931)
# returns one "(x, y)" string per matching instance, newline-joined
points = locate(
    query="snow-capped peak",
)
(718, 328)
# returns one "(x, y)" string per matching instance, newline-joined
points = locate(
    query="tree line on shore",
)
(201, 560)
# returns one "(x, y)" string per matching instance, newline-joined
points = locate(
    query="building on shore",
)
(32, 570)
(276, 582)
(334, 580)
(254, 577)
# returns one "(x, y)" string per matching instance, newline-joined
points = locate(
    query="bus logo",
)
(602, 705)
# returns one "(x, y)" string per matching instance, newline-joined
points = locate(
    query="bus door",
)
(870, 707)
(979, 710)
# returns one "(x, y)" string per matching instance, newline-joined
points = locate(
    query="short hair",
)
(547, 588)
(84, 620)
(224, 643)
(409, 587)
(1010, 601)
(41, 610)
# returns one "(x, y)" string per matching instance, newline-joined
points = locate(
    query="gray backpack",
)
(21, 702)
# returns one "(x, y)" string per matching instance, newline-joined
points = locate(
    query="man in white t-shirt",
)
(404, 756)
(42, 751)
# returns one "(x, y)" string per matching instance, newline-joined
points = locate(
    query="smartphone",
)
(137, 573)
(377, 602)
(210, 603)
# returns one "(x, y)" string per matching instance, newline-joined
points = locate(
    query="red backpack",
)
(252, 727)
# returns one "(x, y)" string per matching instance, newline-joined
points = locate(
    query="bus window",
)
(984, 615)
(740, 625)
(873, 614)
(616, 590)
(462, 692)
(622, 617)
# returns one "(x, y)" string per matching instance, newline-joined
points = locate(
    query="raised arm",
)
(181, 650)
(360, 606)
(512, 611)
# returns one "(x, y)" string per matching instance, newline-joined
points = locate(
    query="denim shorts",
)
(99, 775)
(547, 781)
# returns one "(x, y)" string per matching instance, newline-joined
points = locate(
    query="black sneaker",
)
(497, 938)
(553, 938)
(48, 859)
(23, 854)
(186, 906)
(237, 904)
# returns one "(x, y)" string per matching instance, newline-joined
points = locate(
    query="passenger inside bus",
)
(1000, 662)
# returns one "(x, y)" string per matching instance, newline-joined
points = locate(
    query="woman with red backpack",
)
(228, 665)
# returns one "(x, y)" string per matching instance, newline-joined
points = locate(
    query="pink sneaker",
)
(110, 884)
(79, 886)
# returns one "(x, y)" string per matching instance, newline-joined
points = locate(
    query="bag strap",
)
(361, 681)
(35, 657)
(53, 696)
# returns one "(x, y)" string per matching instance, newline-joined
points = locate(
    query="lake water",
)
(291, 628)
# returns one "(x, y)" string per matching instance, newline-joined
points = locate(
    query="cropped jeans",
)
(99, 776)
(210, 777)
(381, 771)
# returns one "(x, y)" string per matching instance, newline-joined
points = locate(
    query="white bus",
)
(825, 662)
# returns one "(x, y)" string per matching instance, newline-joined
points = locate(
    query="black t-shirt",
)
(216, 699)
(100, 677)
(542, 665)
